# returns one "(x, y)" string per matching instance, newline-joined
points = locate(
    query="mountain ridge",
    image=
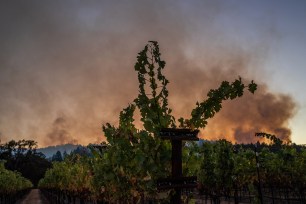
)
(51, 150)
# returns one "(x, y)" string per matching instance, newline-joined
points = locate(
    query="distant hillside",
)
(49, 151)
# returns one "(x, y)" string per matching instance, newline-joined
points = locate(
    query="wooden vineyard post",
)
(177, 181)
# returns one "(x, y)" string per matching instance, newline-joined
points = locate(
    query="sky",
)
(67, 67)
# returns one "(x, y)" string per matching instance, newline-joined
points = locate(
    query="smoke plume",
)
(67, 68)
(60, 133)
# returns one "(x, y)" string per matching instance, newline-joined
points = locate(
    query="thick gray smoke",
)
(67, 67)
(60, 132)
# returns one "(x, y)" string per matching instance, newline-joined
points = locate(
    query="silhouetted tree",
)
(21, 156)
(57, 156)
(65, 154)
(82, 151)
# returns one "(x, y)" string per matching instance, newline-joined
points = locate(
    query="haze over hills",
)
(51, 150)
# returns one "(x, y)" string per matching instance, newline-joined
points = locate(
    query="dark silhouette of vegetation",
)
(57, 157)
(82, 151)
(22, 156)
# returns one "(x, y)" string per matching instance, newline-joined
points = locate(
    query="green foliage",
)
(153, 106)
(209, 107)
(128, 166)
(191, 158)
(220, 167)
(217, 172)
(69, 176)
(225, 167)
(244, 170)
(273, 138)
(21, 156)
(12, 182)
(130, 148)
(283, 165)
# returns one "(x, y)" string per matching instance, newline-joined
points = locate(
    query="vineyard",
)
(12, 185)
(126, 168)
(225, 172)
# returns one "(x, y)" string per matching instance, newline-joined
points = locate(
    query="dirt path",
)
(34, 197)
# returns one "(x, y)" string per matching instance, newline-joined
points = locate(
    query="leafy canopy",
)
(152, 100)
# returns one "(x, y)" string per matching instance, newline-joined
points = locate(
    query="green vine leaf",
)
(273, 138)
(213, 104)
(153, 105)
